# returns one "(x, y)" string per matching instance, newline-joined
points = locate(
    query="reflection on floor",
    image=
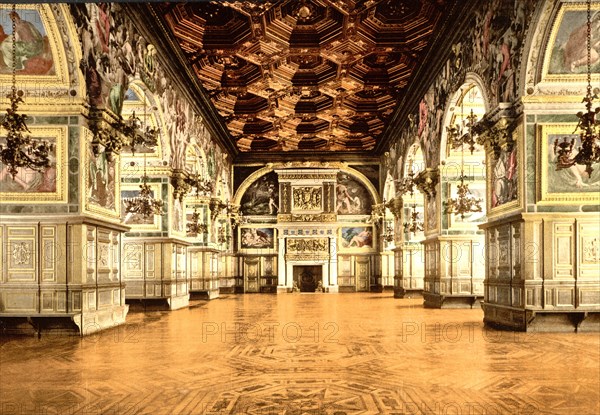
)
(302, 354)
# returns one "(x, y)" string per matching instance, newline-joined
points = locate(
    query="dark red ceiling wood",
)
(291, 75)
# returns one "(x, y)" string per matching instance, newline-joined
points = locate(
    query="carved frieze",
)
(302, 249)
(306, 217)
(307, 245)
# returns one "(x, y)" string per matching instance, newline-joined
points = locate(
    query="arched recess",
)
(46, 71)
(480, 101)
(466, 106)
(455, 279)
(272, 166)
(139, 100)
(410, 273)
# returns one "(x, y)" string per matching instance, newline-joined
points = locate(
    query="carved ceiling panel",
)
(305, 74)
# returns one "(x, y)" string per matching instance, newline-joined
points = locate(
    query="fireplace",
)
(307, 277)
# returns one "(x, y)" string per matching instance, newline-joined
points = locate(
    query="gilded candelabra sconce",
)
(201, 185)
(144, 204)
(137, 132)
(236, 217)
(20, 151)
(194, 226)
(407, 185)
(378, 217)
(461, 134)
(415, 224)
(465, 202)
(588, 127)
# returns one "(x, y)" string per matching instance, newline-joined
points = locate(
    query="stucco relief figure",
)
(431, 214)
(177, 216)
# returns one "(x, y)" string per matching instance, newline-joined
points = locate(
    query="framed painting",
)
(432, 218)
(47, 185)
(257, 238)
(261, 197)
(561, 181)
(505, 180)
(566, 52)
(102, 188)
(357, 237)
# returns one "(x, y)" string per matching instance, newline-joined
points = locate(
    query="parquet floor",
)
(296, 354)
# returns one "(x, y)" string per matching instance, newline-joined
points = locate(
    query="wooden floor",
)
(302, 354)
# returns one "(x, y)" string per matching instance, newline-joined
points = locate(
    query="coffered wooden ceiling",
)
(306, 75)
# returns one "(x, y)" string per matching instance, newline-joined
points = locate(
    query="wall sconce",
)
(194, 226)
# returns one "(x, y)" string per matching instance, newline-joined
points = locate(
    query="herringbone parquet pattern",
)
(297, 354)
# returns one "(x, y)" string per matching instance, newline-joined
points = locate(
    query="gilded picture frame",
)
(566, 186)
(46, 186)
(257, 238)
(101, 189)
(357, 238)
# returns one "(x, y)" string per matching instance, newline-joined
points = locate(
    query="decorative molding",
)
(321, 217)
(427, 181)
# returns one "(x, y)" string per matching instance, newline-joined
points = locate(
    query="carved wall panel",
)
(307, 198)
(555, 270)
(204, 268)
(156, 269)
(45, 274)
(306, 249)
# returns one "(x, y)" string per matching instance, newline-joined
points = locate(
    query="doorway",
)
(308, 277)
